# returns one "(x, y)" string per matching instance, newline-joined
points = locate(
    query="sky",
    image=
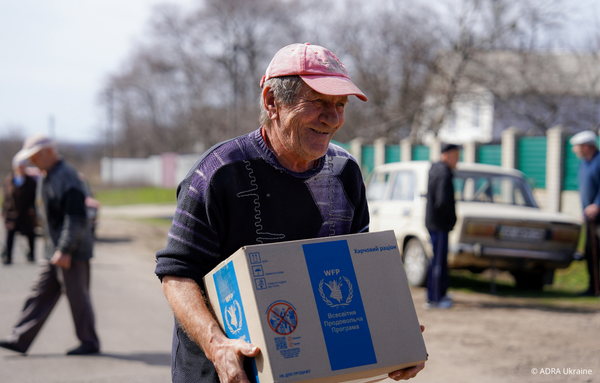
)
(55, 56)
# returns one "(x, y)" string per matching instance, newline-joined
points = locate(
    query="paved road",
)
(134, 321)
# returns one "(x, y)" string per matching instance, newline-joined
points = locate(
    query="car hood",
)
(490, 210)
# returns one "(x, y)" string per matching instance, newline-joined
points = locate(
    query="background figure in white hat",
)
(586, 147)
(60, 201)
(18, 209)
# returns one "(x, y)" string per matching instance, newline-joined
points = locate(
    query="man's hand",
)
(407, 373)
(228, 357)
(591, 211)
(61, 260)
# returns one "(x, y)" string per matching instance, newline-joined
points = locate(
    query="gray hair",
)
(285, 89)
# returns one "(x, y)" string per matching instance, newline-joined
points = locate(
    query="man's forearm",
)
(189, 307)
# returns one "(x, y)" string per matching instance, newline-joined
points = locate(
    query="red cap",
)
(318, 67)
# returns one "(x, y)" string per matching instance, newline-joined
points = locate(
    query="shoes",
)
(11, 346)
(84, 350)
(442, 304)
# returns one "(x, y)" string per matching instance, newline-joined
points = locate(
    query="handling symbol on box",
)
(257, 271)
(254, 258)
(261, 284)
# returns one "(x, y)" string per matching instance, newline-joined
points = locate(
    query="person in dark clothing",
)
(440, 217)
(585, 147)
(60, 200)
(18, 210)
(282, 182)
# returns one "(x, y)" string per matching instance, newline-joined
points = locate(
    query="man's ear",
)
(269, 102)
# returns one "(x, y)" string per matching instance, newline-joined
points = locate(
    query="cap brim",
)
(25, 154)
(333, 86)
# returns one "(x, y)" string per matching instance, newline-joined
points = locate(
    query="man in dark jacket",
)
(61, 207)
(440, 217)
(18, 209)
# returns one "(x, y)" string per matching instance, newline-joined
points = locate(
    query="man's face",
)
(584, 151)
(302, 131)
(42, 159)
(451, 158)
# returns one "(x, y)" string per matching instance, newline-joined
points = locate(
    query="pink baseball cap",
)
(318, 67)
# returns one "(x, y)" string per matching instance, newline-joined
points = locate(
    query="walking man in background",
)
(18, 209)
(585, 146)
(284, 181)
(440, 217)
(60, 202)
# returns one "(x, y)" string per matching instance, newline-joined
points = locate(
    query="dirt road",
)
(488, 339)
(482, 339)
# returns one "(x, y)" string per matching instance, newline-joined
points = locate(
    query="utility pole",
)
(51, 127)
(110, 135)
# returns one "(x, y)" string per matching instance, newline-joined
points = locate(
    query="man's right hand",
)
(228, 357)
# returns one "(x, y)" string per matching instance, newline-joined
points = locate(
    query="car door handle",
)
(406, 212)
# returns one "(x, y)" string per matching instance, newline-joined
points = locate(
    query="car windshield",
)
(492, 188)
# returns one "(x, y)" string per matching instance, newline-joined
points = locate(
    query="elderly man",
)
(18, 209)
(282, 182)
(585, 146)
(68, 249)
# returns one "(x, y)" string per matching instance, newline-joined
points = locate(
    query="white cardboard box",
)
(321, 310)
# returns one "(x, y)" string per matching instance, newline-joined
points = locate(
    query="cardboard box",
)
(322, 310)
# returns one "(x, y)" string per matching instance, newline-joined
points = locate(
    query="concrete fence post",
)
(554, 170)
(379, 148)
(356, 150)
(405, 150)
(510, 138)
(470, 152)
(435, 150)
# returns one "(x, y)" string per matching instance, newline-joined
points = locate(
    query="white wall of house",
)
(470, 120)
(166, 170)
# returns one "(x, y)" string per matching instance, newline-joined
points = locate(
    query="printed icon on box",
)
(260, 283)
(257, 271)
(254, 258)
(282, 317)
(336, 289)
(233, 317)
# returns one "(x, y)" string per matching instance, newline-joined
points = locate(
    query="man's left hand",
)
(61, 260)
(591, 211)
(407, 373)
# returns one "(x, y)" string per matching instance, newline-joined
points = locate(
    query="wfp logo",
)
(339, 290)
(233, 317)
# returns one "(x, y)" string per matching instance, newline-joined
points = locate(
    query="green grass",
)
(567, 284)
(112, 197)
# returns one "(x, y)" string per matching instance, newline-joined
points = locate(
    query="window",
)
(404, 186)
(377, 186)
(475, 115)
(492, 188)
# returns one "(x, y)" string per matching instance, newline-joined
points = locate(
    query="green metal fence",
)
(531, 160)
(420, 153)
(489, 154)
(392, 153)
(368, 159)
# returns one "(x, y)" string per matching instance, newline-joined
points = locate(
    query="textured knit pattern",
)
(238, 194)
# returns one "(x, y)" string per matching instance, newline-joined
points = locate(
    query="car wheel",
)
(529, 280)
(415, 263)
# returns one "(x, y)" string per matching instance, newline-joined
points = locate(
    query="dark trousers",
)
(592, 236)
(10, 240)
(47, 288)
(437, 274)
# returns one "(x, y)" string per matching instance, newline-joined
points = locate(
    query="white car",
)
(498, 219)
